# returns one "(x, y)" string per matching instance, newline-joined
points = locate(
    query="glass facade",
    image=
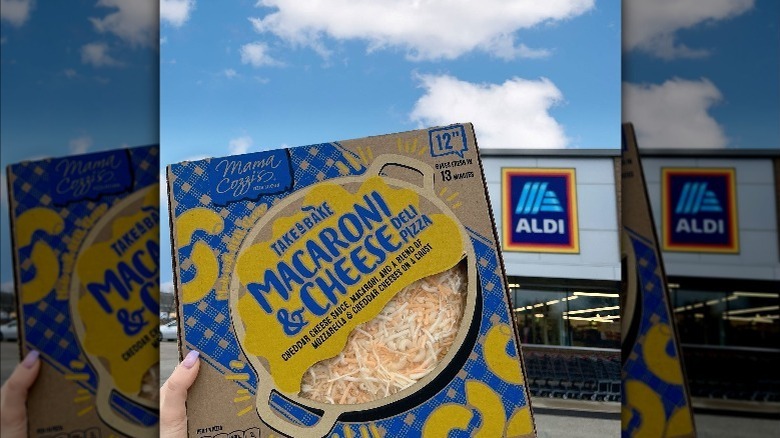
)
(727, 318)
(571, 318)
(583, 317)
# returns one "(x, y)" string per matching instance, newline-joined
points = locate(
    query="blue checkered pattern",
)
(313, 164)
(47, 323)
(47, 329)
(132, 411)
(204, 328)
(293, 413)
(475, 369)
(654, 307)
(494, 307)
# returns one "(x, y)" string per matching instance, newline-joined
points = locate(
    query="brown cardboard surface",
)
(64, 212)
(654, 381)
(225, 397)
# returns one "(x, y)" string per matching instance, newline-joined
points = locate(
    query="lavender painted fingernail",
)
(30, 359)
(190, 359)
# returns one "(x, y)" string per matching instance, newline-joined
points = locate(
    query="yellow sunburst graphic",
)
(364, 431)
(365, 156)
(410, 148)
(242, 395)
(83, 396)
(450, 197)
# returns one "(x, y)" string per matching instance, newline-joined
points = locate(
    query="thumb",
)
(173, 396)
(13, 395)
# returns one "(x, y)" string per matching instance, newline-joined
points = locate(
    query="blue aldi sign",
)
(539, 210)
(699, 210)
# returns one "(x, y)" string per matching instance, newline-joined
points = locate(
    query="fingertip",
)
(191, 359)
(184, 374)
(24, 375)
(173, 393)
(32, 359)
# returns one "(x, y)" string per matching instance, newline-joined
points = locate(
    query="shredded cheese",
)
(150, 384)
(397, 348)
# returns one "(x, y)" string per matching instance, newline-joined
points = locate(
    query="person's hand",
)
(173, 395)
(13, 396)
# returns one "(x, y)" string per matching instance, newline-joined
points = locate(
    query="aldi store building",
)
(556, 212)
(716, 217)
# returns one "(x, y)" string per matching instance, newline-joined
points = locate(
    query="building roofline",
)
(670, 153)
(711, 153)
(549, 152)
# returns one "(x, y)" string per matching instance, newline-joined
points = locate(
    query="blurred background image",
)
(81, 78)
(76, 78)
(546, 85)
(540, 81)
(701, 88)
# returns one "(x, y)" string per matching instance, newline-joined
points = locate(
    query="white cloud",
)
(134, 21)
(97, 55)
(256, 54)
(651, 26)
(674, 114)
(164, 191)
(69, 73)
(7, 286)
(176, 12)
(196, 158)
(80, 145)
(431, 29)
(166, 286)
(514, 114)
(16, 12)
(230, 73)
(240, 145)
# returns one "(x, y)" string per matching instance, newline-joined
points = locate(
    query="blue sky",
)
(242, 76)
(216, 88)
(245, 76)
(703, 74)
(77, 76)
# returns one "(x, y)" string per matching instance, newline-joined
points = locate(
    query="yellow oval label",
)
(118, 300)
(331, 264)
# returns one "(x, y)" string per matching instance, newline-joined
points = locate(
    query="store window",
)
(699, 316)
(594, 318)
(539, 315)
(575, 318)
(727, 318)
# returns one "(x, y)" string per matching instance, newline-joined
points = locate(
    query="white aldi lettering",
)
(548, 226)
(539, 210)
(705, 226)
(699, 210)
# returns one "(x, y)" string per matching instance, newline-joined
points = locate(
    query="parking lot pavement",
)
(711, 425)
(169, 357)
(560, 424)
(9, 357)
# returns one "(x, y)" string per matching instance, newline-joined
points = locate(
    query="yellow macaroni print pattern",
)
(86, 244)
